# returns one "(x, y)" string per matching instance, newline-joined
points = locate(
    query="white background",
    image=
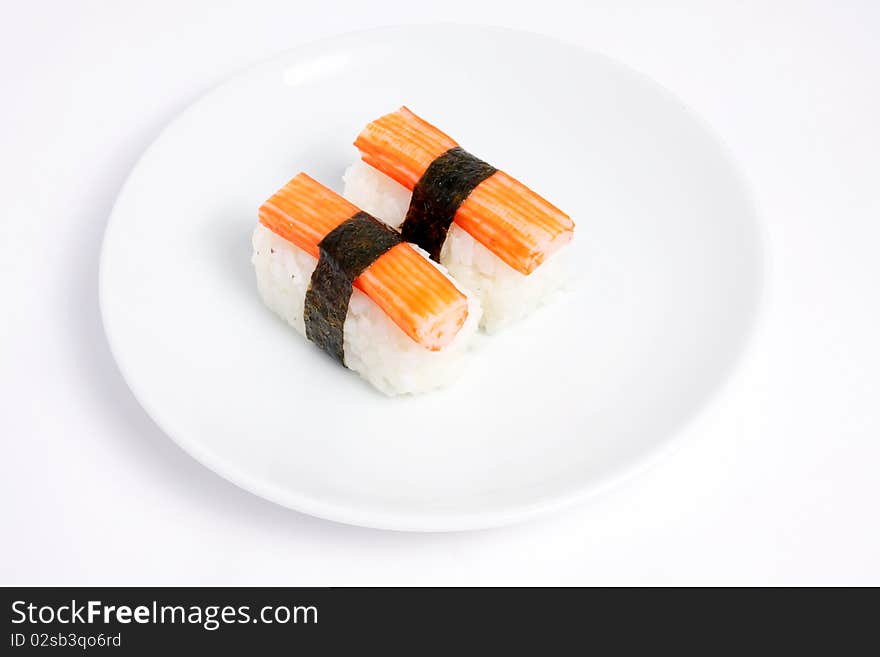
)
(775, 483)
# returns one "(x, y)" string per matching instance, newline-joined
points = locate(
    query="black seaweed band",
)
(436, 197)
(345, 252)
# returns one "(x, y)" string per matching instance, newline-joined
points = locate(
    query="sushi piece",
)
(497, 237)
(351, 285)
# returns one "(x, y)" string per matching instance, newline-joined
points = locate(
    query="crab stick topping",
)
(508, 218)
(410, 290)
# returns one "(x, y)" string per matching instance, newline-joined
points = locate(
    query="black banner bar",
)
(319, 621)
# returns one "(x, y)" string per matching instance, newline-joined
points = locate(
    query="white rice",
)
(375, 347)
(505, 294)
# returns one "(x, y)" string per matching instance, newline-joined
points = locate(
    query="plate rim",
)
(459, 521)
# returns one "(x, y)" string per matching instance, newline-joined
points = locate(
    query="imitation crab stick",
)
(520, 227)
(411, 291)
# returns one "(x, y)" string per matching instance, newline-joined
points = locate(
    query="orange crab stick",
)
(409, 289)
(508, 218)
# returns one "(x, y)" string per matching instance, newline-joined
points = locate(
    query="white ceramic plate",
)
(559, 406)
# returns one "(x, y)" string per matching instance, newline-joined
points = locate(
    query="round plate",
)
(667, 282)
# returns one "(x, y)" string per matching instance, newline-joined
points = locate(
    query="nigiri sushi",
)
(351, 285)
(496, 236)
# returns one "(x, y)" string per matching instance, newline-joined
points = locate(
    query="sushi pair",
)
(431, 243)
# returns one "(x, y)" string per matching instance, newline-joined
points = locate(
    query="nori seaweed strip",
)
(345, 252)
(444, 186)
